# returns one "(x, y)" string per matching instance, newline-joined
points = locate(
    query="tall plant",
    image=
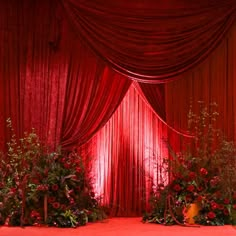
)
(41, 187)
(204, 173)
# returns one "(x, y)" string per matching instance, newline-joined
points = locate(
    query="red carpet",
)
(121, 227)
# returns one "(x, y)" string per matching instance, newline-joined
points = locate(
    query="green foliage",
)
(204, 173)
(41, 187)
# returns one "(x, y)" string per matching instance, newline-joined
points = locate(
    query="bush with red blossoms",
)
(204, 173)
(40, 187)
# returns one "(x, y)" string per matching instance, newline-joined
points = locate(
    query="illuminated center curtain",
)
(127, 156)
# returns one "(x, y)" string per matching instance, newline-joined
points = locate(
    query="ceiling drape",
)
(151, 41)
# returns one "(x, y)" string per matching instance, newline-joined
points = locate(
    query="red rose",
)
(78, 169)
(67, 165)
(199, 198)
(55, 187)
(203, 171)
(226, 201)
(211, 215)
(214, 206)
(177, 187)
(1, 185)
(191, 188)
(56, 205)
(51, 199)
(200, 188)
(34, 214)
(92, 194)
(234, 206)
(226, 212)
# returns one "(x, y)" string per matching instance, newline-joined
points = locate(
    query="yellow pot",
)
(191, 211)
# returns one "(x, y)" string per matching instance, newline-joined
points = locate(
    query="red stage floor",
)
(121, 227)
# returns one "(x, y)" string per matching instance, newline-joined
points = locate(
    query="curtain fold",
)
(151, 41)
(29, 73)
(127, 155)
(92, 95)
(212, 81)
(155, 95)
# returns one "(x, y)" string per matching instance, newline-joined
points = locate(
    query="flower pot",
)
(190, 212)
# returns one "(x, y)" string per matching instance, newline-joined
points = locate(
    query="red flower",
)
(200, 188)
(56, 205)
(34, 214)
(78, 169)
(55, 187)
(199, 198)
(191, 188)
(226, 201)
(234, 206)
(51, 199)
(211, 215)
(226, 212)
(214, 206)
(177, 187)
(1, 185)
(42, 187)
(203, 171)
(192, 175)
(67, 165)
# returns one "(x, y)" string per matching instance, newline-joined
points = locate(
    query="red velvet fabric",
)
(155, 95)
(151, 41)
(92, 95)
(49, 80)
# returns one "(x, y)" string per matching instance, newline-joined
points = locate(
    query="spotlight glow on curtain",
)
(128, 153)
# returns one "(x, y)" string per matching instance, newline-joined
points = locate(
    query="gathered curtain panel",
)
(49, 80)
(151, 41)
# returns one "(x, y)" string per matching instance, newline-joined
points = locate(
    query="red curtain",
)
(49, 80)
(29, 73)
(151, 41)
(92, 95)
(127, 156)
(212, 81)
(155, 95)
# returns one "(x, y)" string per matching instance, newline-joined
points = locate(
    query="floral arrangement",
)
(40, 187)
(204, 174)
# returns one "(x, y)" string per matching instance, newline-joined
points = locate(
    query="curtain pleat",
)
(127, 154)
(151, 41)
(213, 81)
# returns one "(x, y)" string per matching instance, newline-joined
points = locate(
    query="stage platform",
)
(121, 227)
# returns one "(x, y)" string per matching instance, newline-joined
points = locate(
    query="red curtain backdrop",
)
(212, 81)
(127, 156)
(151, 41)
(53, 77)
